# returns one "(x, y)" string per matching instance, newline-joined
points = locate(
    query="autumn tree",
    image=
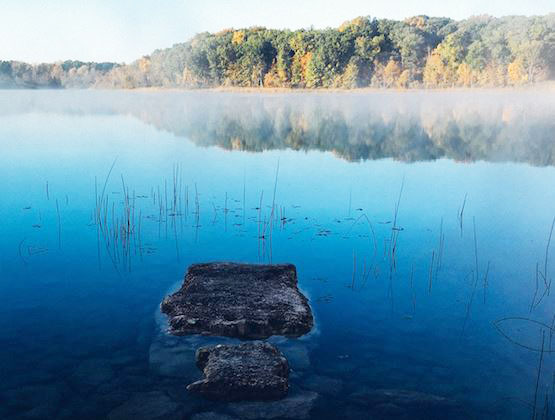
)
(350, 77)
(391, 73)
(464, 75)
(516, 73)
(434, 71)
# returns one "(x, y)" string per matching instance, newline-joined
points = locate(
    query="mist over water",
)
(513, 126)
(450, 298)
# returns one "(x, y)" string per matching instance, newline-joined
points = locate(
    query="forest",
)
(418, 52)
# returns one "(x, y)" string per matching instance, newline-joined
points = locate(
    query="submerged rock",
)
(399, 397)
(323, 385)
(36, 401)
(296, 406)
(147, 406)
(399, 403)
(175, 361)
(297, 355)
(249, 371)
(93, 372)
(211, 415)
(239, 300)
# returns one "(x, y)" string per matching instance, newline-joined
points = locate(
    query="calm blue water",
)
(449, 295)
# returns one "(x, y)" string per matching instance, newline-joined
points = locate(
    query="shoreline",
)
(539, 87)
(543, 87)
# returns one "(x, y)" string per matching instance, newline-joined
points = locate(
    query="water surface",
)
(419, 224)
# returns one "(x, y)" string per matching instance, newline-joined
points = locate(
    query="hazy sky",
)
(123, 30)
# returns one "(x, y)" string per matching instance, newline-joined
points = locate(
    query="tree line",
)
(67, 74)
(421, 52)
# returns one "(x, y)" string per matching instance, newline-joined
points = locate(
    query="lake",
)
(420, 225)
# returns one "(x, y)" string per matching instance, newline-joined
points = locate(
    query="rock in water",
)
(248, 371)
(247, 301)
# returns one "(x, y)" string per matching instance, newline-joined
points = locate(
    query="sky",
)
(124, 30)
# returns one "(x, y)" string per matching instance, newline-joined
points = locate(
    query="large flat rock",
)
(248, 371)
(246, 301)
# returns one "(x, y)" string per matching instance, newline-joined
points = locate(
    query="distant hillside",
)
(67, 74)
(417, 52)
